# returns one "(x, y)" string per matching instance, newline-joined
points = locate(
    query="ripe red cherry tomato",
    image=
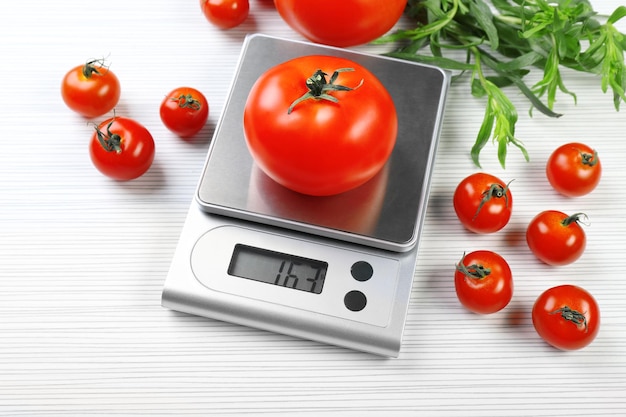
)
(91, 89)
(483, 282)
(556, 238)
(320, 125)
(121, 148)
(225, 14)
(184, 111)
(567, 317)
(483, 203)
(341, 23)
(574, 169)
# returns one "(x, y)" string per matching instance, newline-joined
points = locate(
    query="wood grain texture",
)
(83, 258)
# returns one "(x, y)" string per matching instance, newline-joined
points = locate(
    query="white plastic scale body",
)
(337, 270)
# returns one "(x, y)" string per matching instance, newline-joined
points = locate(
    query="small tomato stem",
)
(589, 159)
(574, 218)
(574, 316)
(474, 271)
(111, 142)
(187, 101)
(90, 68)
(494, 191)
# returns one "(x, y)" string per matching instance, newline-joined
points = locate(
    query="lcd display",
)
(278, 268)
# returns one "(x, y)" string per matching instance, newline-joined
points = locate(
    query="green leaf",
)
(502, 148)
(424, 30)
(613, 67)
(500, 81)
(593, 56)
(478, 90)
(617, 14)
(482, 13)
(534, 100)
(503, 6)
(501, 67)
(441, 62)
(414, 47)
(483, 135)
(504, 119)
(435, 46)
(523, 61)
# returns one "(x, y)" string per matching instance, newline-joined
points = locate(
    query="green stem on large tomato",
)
(319, 87)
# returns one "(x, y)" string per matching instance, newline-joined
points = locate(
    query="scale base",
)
(377, 329)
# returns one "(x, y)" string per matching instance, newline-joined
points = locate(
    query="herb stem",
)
(510, 20)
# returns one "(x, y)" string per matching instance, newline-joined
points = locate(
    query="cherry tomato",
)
(341, 23)
(318, 134)
(225, 14)
(483, 203)
(483, 282)
(556, 238)
(574, 169)
(91, 89)
(121, 148)
(184, 111)
(567, 317)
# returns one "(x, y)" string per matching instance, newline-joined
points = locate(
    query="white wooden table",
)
(83, 258)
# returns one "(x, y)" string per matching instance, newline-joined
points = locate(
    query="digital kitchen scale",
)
(336, 269)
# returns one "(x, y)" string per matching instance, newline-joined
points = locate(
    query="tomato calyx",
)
(574, 218)
(589, 159)
(319, 87)
(474, 271)
(111, 142)
(90, 68)
(574, 316)
(187, 101)
(494, 191)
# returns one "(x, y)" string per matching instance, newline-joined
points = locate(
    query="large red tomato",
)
(320, 125)
(341, 23)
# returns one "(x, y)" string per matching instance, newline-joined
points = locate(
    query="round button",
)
(362, 271)
(355, 300)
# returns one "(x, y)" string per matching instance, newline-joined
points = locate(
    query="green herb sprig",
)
(503, 40)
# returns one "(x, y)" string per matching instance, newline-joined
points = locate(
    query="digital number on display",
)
(278, 268)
